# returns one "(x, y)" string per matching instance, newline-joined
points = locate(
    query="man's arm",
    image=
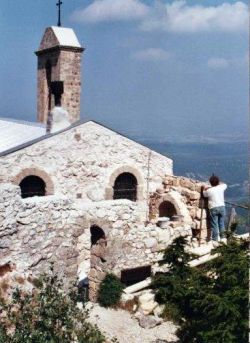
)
(204, 190)
(224, 185)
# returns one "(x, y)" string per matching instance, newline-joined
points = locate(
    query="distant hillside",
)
(199, 160)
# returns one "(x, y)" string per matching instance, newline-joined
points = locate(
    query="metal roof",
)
(15, 132)
(66, 36)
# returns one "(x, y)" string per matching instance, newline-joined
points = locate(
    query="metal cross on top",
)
(59, 12)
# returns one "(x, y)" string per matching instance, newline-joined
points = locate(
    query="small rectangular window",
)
(132, 276)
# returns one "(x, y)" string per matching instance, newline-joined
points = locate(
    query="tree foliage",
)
(46, 315)
(209, 304)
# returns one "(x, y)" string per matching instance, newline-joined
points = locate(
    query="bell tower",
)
(59, 59)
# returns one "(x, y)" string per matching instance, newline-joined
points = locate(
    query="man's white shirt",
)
(215, 195)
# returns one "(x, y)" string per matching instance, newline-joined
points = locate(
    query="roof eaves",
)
(59, 47)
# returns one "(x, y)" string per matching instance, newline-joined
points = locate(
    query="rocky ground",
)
(125, 327)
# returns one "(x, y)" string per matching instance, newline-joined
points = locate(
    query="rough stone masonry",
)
(57, 228)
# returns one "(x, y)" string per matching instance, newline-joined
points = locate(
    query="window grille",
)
(125, 187)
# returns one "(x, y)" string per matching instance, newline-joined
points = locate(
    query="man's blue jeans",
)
(217, 221)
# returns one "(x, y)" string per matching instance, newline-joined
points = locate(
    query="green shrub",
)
(48, 314)
(110, 291)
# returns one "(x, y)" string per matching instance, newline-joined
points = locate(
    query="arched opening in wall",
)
(167, 209)
(125, 187)
(131, 276)
(96, 234)
(97, 260)
(98, 244)
(32, 186)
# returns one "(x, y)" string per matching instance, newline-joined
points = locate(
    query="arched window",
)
(32, 186)
(167, 209)
(125, 187)
(96, 234)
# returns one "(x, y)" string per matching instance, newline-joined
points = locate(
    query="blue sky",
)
(153, 69)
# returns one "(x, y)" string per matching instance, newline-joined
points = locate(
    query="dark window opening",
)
(48, 78)
(167, 209)
(48, 72)
(195, 233)
(96, 234)
(32, 186)
(131, 276)
(125, 187)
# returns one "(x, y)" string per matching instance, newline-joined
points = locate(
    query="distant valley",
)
(199, 160)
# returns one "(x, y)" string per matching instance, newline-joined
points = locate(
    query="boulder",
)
(158, 310)
(148, 307)
(147, 302)
(146, 297)
(149, 322)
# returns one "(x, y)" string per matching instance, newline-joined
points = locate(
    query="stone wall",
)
(82, 161)
(37, 231)
(185, 195)
(70, 73)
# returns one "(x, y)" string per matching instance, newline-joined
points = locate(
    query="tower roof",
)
(66, 36)
(56, 36)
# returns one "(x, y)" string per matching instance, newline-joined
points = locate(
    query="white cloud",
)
(111, 10)
(151, 54)
(223, 63)
(181, 17)
(218, 63)
(177, 16)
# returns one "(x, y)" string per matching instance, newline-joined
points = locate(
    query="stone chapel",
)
(81, 195)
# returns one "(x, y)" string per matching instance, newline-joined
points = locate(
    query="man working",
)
(216, 205)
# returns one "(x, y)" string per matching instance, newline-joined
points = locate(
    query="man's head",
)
(214, 180)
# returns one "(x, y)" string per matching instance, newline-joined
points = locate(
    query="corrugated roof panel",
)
(14, 133)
